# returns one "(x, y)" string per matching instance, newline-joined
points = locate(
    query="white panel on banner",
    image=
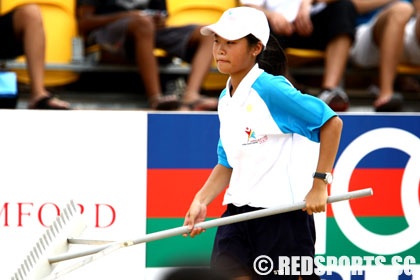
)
(98, 159)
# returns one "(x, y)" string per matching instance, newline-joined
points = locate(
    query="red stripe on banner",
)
(170, 192)
(386, 198)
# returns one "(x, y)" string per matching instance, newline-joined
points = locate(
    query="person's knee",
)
(28, 17)
(141, 26)
(400, 12)
(29, 12)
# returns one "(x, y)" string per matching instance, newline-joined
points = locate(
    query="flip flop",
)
(166, 103)
(45, 104)
(394, 104)
(201, 104)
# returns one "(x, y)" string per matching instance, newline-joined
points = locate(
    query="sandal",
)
(46, 103)
(394, 104)
(165, 102)
(202, 104)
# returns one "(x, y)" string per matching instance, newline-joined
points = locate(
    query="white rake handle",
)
(209, 224)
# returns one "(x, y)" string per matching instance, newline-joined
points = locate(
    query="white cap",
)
(236, 23)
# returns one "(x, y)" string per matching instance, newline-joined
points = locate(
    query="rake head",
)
(52, 242)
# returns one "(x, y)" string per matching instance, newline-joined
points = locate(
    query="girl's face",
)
(234, 58)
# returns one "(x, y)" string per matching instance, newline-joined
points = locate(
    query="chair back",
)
(181, 12)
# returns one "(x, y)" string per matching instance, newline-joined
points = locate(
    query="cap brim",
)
(222, 31)
(207, 30)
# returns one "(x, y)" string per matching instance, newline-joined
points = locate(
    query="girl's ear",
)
(258, 48)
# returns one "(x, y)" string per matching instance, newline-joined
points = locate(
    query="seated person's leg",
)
(29, 31)
(132, 40)
(187, 43)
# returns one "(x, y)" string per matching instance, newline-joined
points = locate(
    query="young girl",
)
(263, 120)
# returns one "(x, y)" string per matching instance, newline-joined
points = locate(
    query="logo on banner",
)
(21, 213)
(346, 220)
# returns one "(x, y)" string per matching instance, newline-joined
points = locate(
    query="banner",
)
(133, 173)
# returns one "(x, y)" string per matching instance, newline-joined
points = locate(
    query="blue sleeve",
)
(221, 155)
(223, 93)
(293, 111)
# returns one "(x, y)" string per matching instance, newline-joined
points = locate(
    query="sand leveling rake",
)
(51, 248)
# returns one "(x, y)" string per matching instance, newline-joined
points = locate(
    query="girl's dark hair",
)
(273, 59)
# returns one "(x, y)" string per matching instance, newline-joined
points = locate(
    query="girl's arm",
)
(215, 184)
(330, 135)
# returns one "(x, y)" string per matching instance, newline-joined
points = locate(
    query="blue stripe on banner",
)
(182, 140)
(384, 158)
(356, 125)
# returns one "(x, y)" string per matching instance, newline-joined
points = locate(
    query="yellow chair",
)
(60, 30)
(297, 57)
(204, 12)
(408, 69)
(182, 12)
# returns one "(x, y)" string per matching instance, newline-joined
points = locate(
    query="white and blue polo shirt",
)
(269, 136)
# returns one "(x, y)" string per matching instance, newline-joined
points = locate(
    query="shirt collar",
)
(246, 83)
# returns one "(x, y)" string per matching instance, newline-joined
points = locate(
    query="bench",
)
(299, 56)
(87, 60)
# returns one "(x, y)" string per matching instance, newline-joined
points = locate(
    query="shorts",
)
(411, 53)
(365, 52)
(174, 40)
(10, 46)
(336, 19)
(237, 245)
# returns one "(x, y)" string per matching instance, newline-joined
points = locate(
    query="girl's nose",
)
(220, 50)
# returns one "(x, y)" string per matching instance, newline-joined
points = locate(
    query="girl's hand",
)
(196, 214)
(316, 199)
